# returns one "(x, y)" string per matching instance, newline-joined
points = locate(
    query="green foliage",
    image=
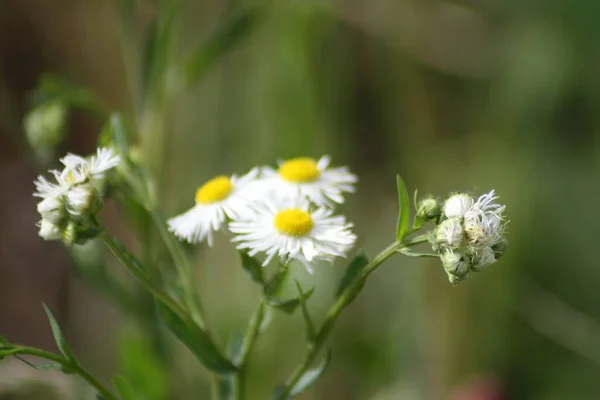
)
(291, 305)
(353, 270)
(125, 390)
(139, 363)
(196, 340)
(311, 376)
(308, 324)
(224, 39)
(59, 338)
(403, 210)
(254, 269)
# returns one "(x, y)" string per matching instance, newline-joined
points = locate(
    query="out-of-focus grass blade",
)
(403, 210)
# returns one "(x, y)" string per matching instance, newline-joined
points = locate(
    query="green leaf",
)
(119, 133)
(307, 380)
(139, 361)
(125, 390)
(253, 268)
(404, 210)
(289, 306)
(273, 287)
(353, 271)
(309, 326)
(225, 38)
(196, 340)
(59, 338)
(234, 347)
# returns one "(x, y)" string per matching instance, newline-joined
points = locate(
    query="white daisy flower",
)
(484, 223)
(217, 200)
(309, 178)
(457, 205)
(49, 231)
(450, 232)
(290, 229)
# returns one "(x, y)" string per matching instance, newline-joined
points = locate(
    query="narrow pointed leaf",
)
(253, 268)
(196, 340)
(276, 283)
(125, 390)
(59, 338)
(353, 271)
(311, 376)
(289, 306)
(225, 38)
(403, 210)
(119, 133)
(308, 324)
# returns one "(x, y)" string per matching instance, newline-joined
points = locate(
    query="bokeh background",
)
(453, 95)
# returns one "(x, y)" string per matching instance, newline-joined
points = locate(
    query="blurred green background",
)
(453, 95)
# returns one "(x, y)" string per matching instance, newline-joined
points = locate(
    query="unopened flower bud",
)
(48, 230)
(483, 258)
(83, 199)
(457, 205)
(44, 126)
(450, 233)
(80, 231)
(429, 209)
(500, 248)
(456, 265)
(52, 209)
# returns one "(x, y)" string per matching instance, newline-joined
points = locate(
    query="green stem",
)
(183, 270)
(338, 306)
(248, 341)
(143, 279)
(66, 364)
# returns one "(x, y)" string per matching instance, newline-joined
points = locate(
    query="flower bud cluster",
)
(470, 234)
(70, 204)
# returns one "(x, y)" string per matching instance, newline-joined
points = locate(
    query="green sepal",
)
(195, 339)
(403, 210)
(254, 269)
(354, 269)
(308, 323)
(290, 306)
(59, 338)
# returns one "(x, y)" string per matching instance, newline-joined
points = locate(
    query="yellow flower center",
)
(214, 190)
(301, 169)
(293, 222)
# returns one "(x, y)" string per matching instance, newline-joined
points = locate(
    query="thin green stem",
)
(66, 364)
(142, 278)
(248, 341)
(184, 271)
(335, 311)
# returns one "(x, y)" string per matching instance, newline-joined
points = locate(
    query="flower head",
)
(470, 236)
(217, 200)
(309, 178)
(290, 229)
(70, 203)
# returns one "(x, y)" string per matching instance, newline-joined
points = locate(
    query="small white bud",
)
(483, 258)
(49, 231)
(429, 209)
(52, 209)
(456, 265)
(450, 232)
(457, 205)
(83, 199)
(44, 126)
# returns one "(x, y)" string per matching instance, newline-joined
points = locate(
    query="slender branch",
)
(248, 341)
(66, 364)
(338, 306)
(183, 270)
(145, 281)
